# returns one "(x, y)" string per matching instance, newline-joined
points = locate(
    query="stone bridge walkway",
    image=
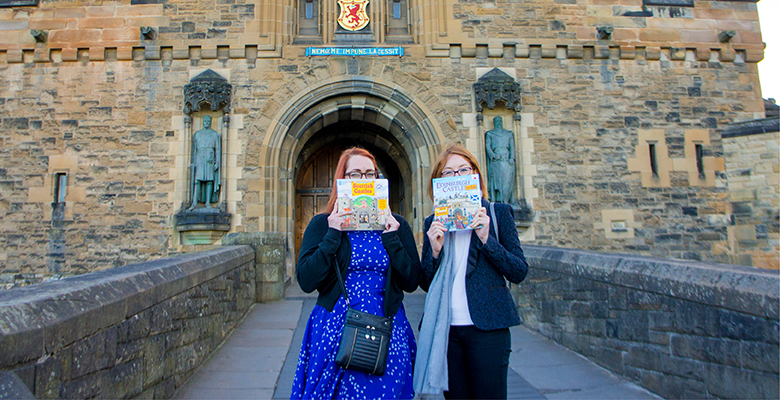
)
(258, 360)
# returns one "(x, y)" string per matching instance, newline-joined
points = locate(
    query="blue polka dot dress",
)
(317, 376)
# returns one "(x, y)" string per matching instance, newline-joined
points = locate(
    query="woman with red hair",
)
(464, 336)
(377, 266)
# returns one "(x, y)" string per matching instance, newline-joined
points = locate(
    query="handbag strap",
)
(493, 218)
(341, 281)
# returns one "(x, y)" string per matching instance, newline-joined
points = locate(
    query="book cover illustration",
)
(367, 199)
(456, 200)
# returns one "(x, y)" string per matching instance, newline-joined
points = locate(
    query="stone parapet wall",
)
(135, 331)
(680, 329)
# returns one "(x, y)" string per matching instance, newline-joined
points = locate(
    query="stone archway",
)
(315, 168)
(412, 135)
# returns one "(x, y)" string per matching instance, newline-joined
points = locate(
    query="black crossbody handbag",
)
(365, 339)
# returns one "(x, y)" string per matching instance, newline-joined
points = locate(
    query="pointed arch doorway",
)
(317, 164)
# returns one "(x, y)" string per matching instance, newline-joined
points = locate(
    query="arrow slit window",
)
(699, 159)
(60, 187)
(653, 159)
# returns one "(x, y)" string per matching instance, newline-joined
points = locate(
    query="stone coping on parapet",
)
(752, 127)
(697, 52)
(40, 319)
(746, 289)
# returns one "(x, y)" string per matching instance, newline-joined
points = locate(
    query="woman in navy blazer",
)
(482, 309)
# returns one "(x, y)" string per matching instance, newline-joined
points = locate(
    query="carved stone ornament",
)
(494, 86)
(604, 32)
(148, 33)
(725, 36)
(40, 35)
(207, 87)
(353, 16)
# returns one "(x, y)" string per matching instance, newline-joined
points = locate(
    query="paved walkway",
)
(258, 360)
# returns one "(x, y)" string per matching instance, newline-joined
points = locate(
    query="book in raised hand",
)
(456, 200)
(367, 200)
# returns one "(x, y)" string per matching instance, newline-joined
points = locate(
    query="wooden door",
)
(313, 188)
(315, 180)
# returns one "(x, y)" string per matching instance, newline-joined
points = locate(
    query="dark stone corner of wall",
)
(752, 127)
(11, 387)
(270, 250)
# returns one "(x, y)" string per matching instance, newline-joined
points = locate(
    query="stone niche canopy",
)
(494, 86)
(208, 87)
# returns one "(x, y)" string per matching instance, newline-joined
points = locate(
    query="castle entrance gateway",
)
(314, 178)
(310, 131)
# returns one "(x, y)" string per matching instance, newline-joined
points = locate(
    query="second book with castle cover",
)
(456, 200)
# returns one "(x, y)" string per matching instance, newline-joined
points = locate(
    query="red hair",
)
(456, 149)
(341, 169)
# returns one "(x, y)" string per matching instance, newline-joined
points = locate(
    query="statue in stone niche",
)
(500, 148)
(206, 156)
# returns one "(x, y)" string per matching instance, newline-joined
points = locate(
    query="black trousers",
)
(477, 363)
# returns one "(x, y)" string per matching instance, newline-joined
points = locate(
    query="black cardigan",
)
(321, 244)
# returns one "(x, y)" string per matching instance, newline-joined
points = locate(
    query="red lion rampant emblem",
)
(353, 16)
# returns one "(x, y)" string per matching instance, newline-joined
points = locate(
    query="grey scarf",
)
(430, 369)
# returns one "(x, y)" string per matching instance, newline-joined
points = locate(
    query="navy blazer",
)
(490, 304)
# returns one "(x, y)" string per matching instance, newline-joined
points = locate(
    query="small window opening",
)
(60, 187)
(653, 160)
(700, 160)
(397, 9)
(309, 9)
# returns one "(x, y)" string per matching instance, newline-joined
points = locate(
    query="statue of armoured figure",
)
(500, 148)
(206, 156)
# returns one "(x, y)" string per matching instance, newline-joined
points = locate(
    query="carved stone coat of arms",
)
(353, 16)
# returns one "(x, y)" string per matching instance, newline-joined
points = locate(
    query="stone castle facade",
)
(618, 120)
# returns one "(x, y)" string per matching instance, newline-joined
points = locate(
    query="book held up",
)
(367, 200)
(456, 200)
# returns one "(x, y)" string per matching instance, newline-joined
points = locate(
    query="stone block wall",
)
(135, 331)
(681, 329)
(125, 161)
(103, 105)
(753, 165)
